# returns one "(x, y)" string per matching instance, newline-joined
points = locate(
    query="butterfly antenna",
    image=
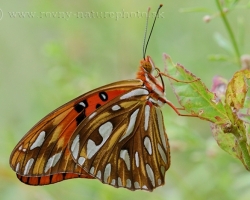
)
(146, 46)
(145, 35)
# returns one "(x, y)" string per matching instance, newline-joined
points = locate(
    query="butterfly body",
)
(114, 133)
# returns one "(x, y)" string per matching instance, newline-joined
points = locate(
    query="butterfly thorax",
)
(154, 86)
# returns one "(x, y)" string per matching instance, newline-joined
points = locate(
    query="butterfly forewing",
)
(43, 150)
(125, 144)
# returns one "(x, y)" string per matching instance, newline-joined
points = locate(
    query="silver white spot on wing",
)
(128, 183)
(120, 182)
(147, 144)
(92, 170)
(75, 147)
(17, 167)
(136, 92)
(104, 130)
(161, 126)
(137, 161)
(20, 148)
(28, 166)
(162, 153)
(104, 97)
(147, 115)
(152, 100)
(52, 161)
(92, 115)
(136, 185)
(83, 104)
(150, 174)
(99, 174)
(39, 140)
(125, 156)
(116, 107)
(81, 160)
(144, 187)
(159, 181)
(113, 182)
(107, 172)
(131, 124)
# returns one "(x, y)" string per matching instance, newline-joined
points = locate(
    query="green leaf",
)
(194, 96)
(234, 138)
(228, 130)
(237, 89)
(226, 141)
(244, 113)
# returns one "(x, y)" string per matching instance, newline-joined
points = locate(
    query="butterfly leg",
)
(177, 110)
(180, 81)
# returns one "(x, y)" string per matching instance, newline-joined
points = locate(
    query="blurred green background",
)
(47, 60)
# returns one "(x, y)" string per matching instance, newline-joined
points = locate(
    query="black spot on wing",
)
(80, 117)
(50, 178)
(97, 105)
(103, 96)
(81, 105)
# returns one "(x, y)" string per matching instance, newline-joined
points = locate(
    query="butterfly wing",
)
(42, 156)
(54, 178)
(125, 144)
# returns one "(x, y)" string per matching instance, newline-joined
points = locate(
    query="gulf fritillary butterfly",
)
(114, 133)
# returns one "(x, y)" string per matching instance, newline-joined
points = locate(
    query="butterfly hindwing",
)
(43, 151)
(125, 144)
(45, 180)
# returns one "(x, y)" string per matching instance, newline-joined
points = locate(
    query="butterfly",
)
(114, 133)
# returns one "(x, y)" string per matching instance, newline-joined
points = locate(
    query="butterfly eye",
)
(147, 66)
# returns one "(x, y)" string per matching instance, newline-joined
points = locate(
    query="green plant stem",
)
(230, 32)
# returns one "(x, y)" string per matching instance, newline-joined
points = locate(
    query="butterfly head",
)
(148, 65)
(152, 79)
